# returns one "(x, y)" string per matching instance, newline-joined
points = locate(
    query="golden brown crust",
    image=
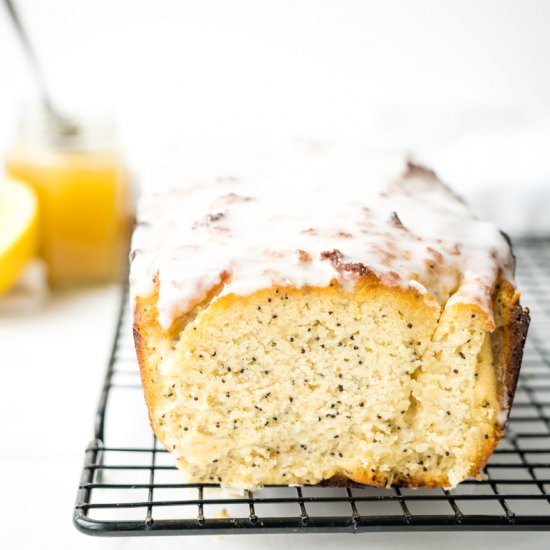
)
(515, 318)
(509, 339)
(145, 325)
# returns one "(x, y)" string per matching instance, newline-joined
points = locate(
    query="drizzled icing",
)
(307, 218)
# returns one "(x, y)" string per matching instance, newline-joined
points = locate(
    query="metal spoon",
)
(61, 123)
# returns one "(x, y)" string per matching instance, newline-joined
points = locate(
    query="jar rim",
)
(66, 131)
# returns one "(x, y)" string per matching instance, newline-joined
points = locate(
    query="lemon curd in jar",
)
(83, 190)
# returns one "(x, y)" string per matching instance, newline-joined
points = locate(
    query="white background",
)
(466, 83)
(463, 85)
(321, 67)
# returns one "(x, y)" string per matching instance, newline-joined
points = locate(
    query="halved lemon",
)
(18, 229)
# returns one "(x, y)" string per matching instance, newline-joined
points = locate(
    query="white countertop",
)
(52, 363)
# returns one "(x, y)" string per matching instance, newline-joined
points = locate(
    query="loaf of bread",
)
(325, 329)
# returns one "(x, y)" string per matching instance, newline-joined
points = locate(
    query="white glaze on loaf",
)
(306, 222)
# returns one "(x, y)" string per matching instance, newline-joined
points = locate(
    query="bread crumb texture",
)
(377, 385)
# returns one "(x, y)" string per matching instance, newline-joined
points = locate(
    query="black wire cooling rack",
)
(130, 486)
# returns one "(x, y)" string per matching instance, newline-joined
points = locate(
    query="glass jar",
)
(82, 183)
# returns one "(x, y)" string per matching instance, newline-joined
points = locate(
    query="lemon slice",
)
(18, 229)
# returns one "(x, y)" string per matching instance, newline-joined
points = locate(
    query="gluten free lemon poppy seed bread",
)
(315, 330)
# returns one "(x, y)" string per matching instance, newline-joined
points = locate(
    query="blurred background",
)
(463, 86)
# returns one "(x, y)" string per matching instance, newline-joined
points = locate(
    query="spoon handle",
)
(31, 57)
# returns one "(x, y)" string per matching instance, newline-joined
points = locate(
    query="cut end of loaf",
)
(299, 386)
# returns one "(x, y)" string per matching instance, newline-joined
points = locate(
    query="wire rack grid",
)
(130, 486)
